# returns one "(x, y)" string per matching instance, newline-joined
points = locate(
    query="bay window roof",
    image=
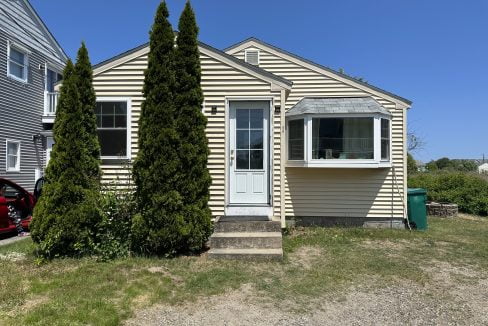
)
(336, 105)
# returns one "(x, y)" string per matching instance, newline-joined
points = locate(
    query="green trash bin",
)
(417, 211)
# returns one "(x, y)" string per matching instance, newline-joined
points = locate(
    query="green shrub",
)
(469, 191)
(170, 171)
(67, 212)
(113, 230)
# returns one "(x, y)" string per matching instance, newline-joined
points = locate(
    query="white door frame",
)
(249, 209)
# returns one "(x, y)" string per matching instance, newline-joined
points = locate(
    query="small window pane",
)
(120, 108)
(17, 56)
(12, 162)
(113, 142)
(98, 109)
(385, 128)
(256, 117)
(108, 108)
(256, 141)
(120, 121)
(385, 149)
(16, 70)
(242, 141)
(242, 118)
(99, 121)
(295, 140)
(108, 121)
(12, 148)
(242, 159)
(256, 159)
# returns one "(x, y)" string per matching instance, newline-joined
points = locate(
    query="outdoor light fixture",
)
(277, 109)
(214, 109)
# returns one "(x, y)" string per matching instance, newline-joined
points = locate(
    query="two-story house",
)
(31, 62)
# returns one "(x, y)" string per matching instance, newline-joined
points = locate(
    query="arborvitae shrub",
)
(159, 227)
(190, 123)
(67, 212)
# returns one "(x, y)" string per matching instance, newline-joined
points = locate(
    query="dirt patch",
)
(164, 271)
(306, 256)
(444, 300)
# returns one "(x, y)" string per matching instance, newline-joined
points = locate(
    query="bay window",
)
(113, 128)
(332, 140)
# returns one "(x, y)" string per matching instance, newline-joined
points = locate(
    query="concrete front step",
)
(246, 240)
(248, 226)
(248, 254)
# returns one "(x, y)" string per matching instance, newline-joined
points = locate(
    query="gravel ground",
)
(457, 296)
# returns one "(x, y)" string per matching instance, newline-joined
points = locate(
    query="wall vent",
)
(252, 57)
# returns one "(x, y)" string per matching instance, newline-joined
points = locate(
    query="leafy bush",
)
(469, 191)
(113, 231)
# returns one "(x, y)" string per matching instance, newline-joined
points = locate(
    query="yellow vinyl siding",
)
(219, 81)
(338, 192)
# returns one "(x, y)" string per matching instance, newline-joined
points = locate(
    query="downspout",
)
(282, 158)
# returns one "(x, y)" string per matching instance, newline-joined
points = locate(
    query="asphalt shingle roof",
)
(341, 105)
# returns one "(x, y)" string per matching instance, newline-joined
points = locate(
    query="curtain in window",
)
(358, 134)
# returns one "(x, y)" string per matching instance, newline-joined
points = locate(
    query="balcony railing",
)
(50, 103)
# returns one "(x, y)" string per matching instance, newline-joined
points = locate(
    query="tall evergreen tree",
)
(190, 122)
(159, 227)
(84, 73)
(67, 211)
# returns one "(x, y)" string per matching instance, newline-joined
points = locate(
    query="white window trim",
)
(17, 166)
(252, 50)
(128, 100)
(308, 161)
(26, 62)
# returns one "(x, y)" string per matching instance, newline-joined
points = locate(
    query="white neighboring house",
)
(483, 168)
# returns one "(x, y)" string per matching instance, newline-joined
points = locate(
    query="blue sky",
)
(434, 52)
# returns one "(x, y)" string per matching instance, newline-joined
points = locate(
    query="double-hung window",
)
(18, 63)
(385, 139)
(113, 127)
(13, 156)
(296, 140)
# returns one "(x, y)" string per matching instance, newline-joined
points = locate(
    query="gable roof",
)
(336, 105)
(318, 66)
(18, 18)
(233, 61)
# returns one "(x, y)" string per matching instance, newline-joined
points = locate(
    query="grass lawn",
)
(318, 262)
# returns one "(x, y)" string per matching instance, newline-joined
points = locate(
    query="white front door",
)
(249, 152)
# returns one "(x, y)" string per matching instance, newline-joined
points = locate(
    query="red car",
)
(21, 200)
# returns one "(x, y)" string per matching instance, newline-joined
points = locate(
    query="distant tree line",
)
(446, 164)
